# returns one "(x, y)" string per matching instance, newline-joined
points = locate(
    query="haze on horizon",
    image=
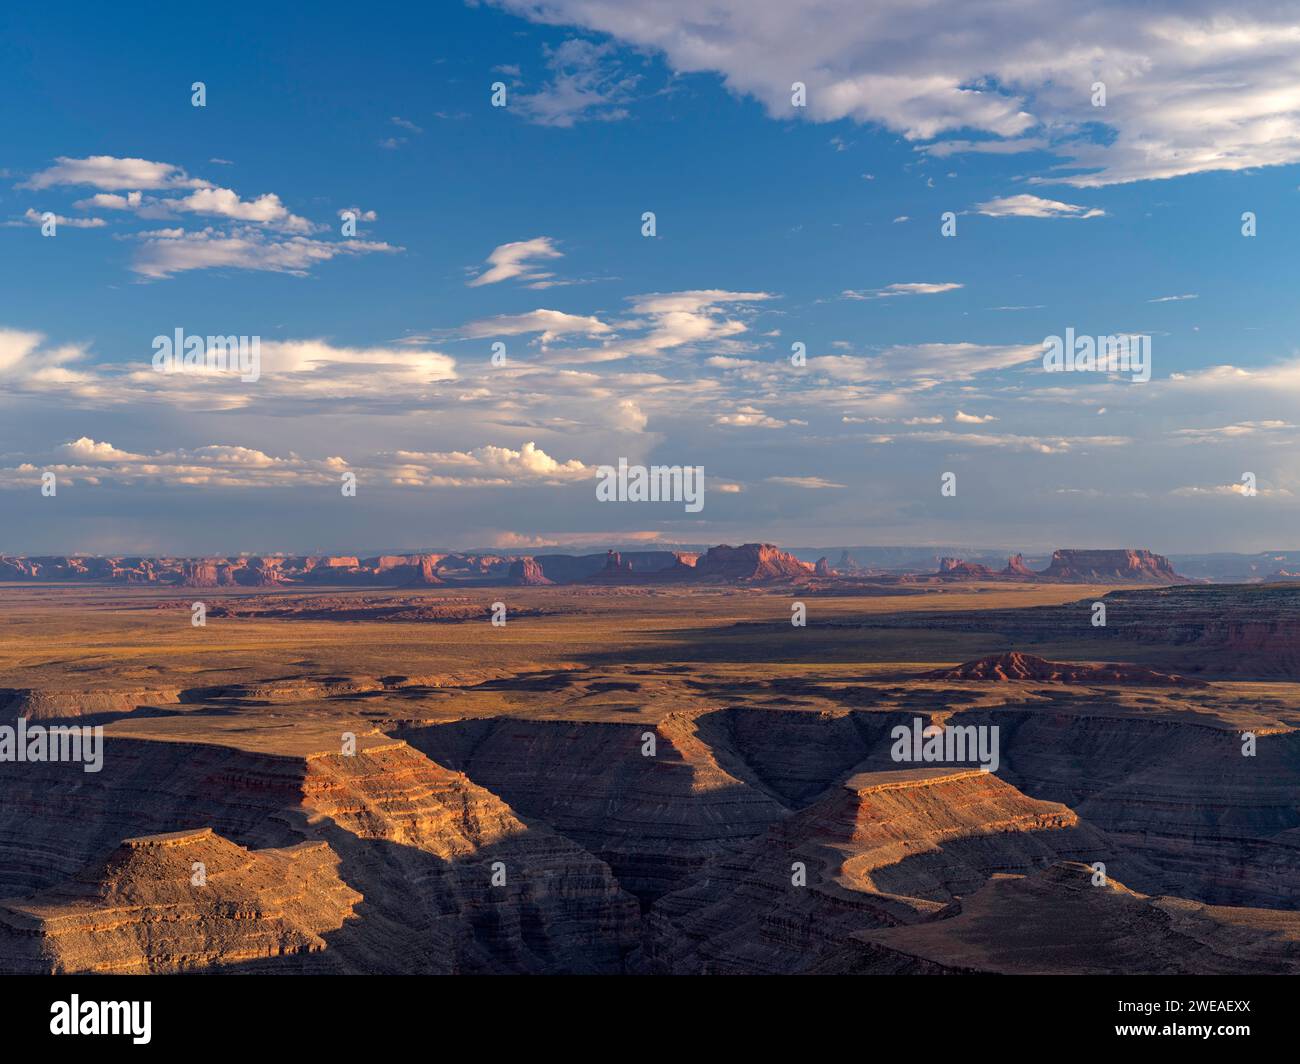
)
(775, 225)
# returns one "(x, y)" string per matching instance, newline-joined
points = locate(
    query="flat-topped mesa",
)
(1003, 668)
(1104, 566)
(181, 901)
(405, 570)
(749, 563)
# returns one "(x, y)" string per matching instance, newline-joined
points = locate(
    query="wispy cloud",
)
(518, 261)
(587, 83)
(909, 289)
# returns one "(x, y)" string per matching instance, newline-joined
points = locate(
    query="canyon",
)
(663, 779)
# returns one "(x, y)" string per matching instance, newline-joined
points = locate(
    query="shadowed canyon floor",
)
(662, 780)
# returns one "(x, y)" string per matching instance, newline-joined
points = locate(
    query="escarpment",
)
(883, 849)
(184, 901)
(684, 811)
(1067, 919)
(450, 879)
(654, 802)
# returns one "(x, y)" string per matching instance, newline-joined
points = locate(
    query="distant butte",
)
(1003, 668)
(747, 564)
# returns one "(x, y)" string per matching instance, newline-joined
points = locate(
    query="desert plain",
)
(652, 780)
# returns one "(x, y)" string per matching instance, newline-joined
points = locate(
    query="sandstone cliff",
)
(148, 908)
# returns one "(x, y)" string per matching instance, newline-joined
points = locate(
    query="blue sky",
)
(775, 224)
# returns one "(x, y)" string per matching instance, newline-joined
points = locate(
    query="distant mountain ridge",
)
(746, 564)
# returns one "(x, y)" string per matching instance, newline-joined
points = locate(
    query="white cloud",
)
(111, 201)
(586, 84)
(1026, 206)
(86, 460)
(111, 173)
(1191, 85)
(1009, 441)
(1228, 490)
(518, 260)
(748, 417)
(167, 252)
(35, 217)
(1235, 431)
(972, 419)
(908, 289)
(225, 203)
(551, 324)
(812, 483)
(940, 362)
(488, 466)
(292, 372)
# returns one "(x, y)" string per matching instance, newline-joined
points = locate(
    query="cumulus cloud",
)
(260, 233)
(110, 173)
(488, 466)
(225, 203)
(86, 460)
(749, 417)
(659, 324)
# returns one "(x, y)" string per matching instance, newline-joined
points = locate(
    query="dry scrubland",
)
(522, 747)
